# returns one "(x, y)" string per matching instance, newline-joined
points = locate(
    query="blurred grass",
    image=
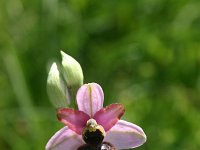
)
(144, 53)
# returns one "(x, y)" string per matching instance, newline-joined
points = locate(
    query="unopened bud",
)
(56, 89)
(72, 71)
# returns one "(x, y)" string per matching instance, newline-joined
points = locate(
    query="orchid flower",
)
(94, 125)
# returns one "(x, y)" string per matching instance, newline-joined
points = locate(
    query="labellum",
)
(103, 146)
(93, 135)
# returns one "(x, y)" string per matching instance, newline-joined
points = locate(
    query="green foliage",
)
(144, 53)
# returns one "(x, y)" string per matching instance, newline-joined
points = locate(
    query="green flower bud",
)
(56, 89)
(72, 71)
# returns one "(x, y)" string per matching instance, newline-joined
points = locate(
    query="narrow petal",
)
(74, 119)
(64, 139)
(90, 98)
(108, 117)
(125, 135)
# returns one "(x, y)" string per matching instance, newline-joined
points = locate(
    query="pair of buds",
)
(64, 80)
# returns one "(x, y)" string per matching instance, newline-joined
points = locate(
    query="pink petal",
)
(125, 135)
(108, 117)
(90, 98)
(74, 119)
(64, 139)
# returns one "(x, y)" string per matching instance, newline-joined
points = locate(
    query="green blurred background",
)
(144, 53)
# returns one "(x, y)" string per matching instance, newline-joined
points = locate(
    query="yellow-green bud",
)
(72, 71)
(56, 89)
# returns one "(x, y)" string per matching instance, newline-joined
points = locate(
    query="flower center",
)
(93, 134)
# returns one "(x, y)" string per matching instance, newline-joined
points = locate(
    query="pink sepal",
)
(64, 139)
(90, 98)
(125, 135)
